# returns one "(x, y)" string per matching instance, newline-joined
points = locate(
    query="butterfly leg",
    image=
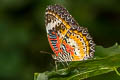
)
(56, 67)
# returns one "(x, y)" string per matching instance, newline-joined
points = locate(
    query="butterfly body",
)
(68, 40)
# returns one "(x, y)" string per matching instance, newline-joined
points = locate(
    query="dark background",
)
(23, 33)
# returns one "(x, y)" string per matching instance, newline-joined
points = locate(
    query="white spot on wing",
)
(72, 42)
(52, 24)
(77, 48)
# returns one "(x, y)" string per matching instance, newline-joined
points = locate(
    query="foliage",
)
(107, 60)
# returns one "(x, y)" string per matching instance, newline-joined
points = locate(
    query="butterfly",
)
(68, 40)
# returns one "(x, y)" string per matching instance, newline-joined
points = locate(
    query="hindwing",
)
(68, 40)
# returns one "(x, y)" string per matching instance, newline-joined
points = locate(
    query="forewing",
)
(56, 26)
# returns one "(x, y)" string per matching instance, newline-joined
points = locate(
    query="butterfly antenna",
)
(45, 52)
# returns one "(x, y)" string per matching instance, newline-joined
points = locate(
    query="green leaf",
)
(106, 60)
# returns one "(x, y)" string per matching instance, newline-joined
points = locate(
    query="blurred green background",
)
(23, 33)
